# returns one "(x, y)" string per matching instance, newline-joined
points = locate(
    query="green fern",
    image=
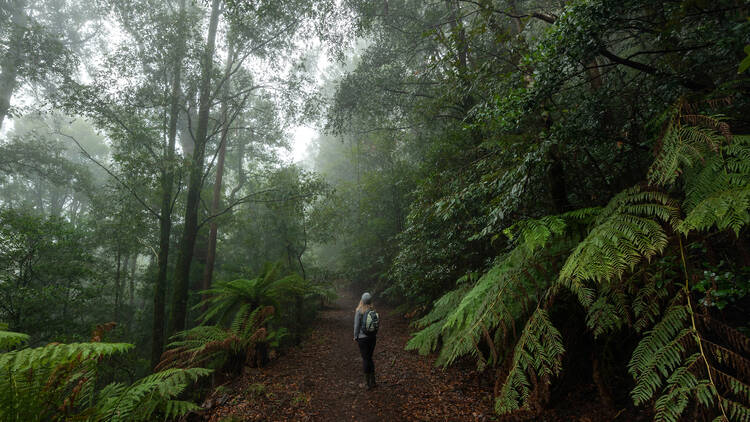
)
(646, 303)
(9, 339)
(609, 312)
(628, 230)
(238, 322)
(539, 351)
(154, 394)
(676, 364)
(718, 193)
(431, 325)
(215, 346)
(498, 300)
(270, 288)
(684, 146)
(51, 382)
(501, 309)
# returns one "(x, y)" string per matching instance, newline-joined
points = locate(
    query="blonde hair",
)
(362, 307)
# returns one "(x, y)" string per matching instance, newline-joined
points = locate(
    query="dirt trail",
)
(319, 380)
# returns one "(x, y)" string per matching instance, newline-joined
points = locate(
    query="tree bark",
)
(118, 285)
(189, 233)
(214, 228)
(13, 58)
(167, 185)
(131, 299)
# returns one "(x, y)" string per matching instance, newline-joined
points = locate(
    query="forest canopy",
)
(555, 191)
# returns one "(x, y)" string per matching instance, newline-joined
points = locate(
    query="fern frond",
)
(646, 304)
(539, 349)
(609, 312)
(431, 325)
(152, 394)
(681, 148)
(628, 230)
(10, 339)
(46, 382)
(678, 365)
(499, 298)
(718, 193)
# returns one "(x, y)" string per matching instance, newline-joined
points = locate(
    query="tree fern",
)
(609, 311)
(213, 346)
(242, 318)
(646, 303)
(680, 364)
(269, 288)
(489, 310)
(506, 293)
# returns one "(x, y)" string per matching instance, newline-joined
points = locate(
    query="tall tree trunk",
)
(187, 243)
(13, 58)
(304, 248)
(167, 185)
(118, 287)
(213, 230)
(131, 299)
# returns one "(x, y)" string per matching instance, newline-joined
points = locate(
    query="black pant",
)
(366, 348)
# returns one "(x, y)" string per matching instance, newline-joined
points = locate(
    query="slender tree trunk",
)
(167, 185)
(213, 230)
(118, 287)
(131, 299)
(13, 58)
(187, 243)
(304, 248)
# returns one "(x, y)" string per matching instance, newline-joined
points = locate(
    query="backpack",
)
(370, 322)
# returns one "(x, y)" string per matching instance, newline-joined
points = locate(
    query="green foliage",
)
(47, 275)
(718, 193)
(684, 146)
(153, 395)
(745, 63)
(677, 365)
(50, 382)
(539, 351)
(10, 339)
(494, 303)
(60, 382)
(603, 270)
(242, 319)
(628, 230)
(270, 288)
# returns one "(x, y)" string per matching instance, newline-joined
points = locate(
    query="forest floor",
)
(320, 380)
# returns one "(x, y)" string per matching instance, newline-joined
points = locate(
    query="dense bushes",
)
(687, 358)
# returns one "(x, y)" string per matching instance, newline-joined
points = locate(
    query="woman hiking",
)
(366, 324)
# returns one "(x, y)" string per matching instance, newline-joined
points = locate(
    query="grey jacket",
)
(358, 333)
